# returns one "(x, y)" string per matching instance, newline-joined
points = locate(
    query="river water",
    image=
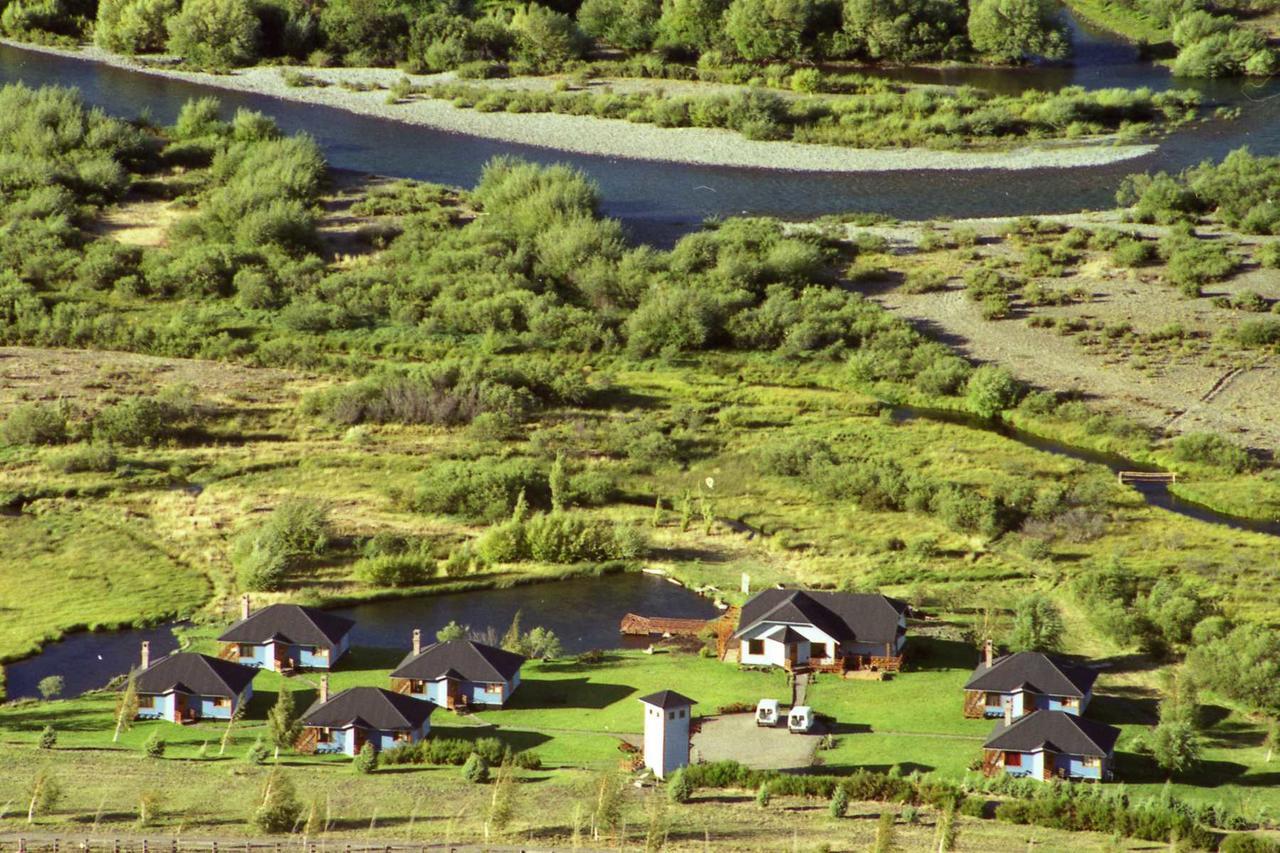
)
(659, 201)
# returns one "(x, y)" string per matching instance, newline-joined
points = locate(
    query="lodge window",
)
(755, 647)
(992, 699)
(1069, 702)
(417, 687)
(1091, 762)
(248, 650)
(682, 713)
(325, 736)
(146, 702)
(671, 715)
(221, 702)
(493, 688)
(818, 650)
(1013, 759)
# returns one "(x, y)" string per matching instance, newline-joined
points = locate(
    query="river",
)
(660, 201)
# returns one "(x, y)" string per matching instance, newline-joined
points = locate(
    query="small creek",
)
(1155, 494)
(583, 612)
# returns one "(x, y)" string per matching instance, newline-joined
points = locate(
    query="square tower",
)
(667, 716)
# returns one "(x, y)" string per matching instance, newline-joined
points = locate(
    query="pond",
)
(583, 612)
(660, 201)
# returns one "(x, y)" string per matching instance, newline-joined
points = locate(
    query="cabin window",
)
(221, 702)
(818, 650)
(324, 736)
(493, 688)
(145, 701)
(671, 715)
(1091, 762)
(1013, 759)
(755, 647)
(992, 699)
(247, 650)
(417, 687)
(1069, 702)
(402, 737)
(682, 713)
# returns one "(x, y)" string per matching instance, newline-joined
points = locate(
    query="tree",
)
(558, 481)
(154, 746)
(1173, 608)
(839, 802)
(502, 803)
(991, 390)
(762, 795)
(542, 643)
(48, 738)
(44, 793)
(768, 29)
(283, 724)
(452, 631)
(1243, 665)
(1037, 625)
(33, 424)
(133, 26)
(680, 787)
(904, 30)
(278, 809)
(1012, 30)
(366, 760)
(1175, 746)
(885, 834)
(513, 640)
(690, 25)
(215, 33)
(126, 706)
(258, 752)
(607, 813)
(626, 24)
(948, 829)
(51, 686)
(545, 38)
(476, 769)
(365, 32)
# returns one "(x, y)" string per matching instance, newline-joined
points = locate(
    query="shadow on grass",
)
(1124, 709)
(567, 693)
(926, 654)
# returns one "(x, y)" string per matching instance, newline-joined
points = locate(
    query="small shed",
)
(667, 719)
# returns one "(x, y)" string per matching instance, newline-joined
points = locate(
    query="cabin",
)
(1027, 681)
(344, 723)
(1047, 745)
(668, 719)
(286, 638)
(458, 673)
(827, 631)
(185, 687)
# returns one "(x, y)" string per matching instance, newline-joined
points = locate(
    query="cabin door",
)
(452, 693)
(179, 707)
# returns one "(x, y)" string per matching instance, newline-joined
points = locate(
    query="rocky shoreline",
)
(606, 137)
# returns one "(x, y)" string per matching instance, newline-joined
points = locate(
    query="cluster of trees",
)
(1241, 191)
(131, 422)
(1214, 45)
(265, 554)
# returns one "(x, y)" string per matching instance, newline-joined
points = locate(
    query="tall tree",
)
(283, 723)
(126, 706)
(1013, 30)
(1037, 625)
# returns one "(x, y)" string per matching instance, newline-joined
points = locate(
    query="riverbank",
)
(608, 137)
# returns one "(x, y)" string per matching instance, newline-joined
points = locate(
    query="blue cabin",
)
(1026, 682)
(458, 673)
(286, 637)
(345, 723)
(1047, 745)
(186, 687)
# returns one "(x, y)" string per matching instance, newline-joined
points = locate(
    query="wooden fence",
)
(72, 844)
(1131, 477)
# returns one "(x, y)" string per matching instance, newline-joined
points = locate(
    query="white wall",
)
(666, 740)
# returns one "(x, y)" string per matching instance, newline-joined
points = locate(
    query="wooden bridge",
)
(1129, 478)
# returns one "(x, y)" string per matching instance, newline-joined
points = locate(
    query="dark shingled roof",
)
(463, 659)
(1058, 731)
(370, 708)
(303, 626)
(848, 617)
(199, 675)
(667, 699)
(1039, 672)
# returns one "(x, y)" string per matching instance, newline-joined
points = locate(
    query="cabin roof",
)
(369, 708)
(1033, 671)
(463, 659)
(291, 623)
(1056, 731)
(667, 699)
(844, 616)
(188, 672)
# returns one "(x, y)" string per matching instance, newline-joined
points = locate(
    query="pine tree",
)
(502, 804)
(283, 724)
(127, 707)
(948, 830)
(839, 802)
(366, 759)
(45, 792)
(279, 809)
(512, 641)
(884, 834)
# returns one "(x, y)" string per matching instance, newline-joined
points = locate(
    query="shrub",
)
(98, 458)
(1133, 252)
(280, 809)
(215, 33)
(991, 390)
(476, 770)
(154, 746)
(839, 804)
(135, 422)
(1258, 334)
(394, 569)
(366, 761)
(48, 738)
(679, 788)
(51, 687)
(1210, 449)
(483, 490)
(34, 424)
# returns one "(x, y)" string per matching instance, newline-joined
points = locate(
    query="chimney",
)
(146, 654)
(244, 606)
(1008, 712)
(324, 689)
(417, 641)
(987, 648)
(746, 584)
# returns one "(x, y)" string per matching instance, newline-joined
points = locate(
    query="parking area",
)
(737, 737)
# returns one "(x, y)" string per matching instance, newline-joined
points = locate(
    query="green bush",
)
(476, 770)
(34, 424)
(483, 490)
(1210, 449)
(366, 761)
(394, 569)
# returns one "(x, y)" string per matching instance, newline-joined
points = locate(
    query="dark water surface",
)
(661, 200)
(583, 612)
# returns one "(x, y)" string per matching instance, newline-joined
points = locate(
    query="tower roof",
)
(666, 699)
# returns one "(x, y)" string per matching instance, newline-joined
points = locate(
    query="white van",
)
(800, 720)
(767, 713)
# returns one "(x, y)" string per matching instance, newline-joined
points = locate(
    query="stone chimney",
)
(746, 584)
(417, 641)
(245, 610)
(146, 654)
(989, 651)
(1008, 712)
(324, 689)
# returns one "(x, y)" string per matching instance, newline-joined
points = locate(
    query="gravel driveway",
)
(736, 737)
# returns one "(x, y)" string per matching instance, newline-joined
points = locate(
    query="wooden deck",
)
(635, 625)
